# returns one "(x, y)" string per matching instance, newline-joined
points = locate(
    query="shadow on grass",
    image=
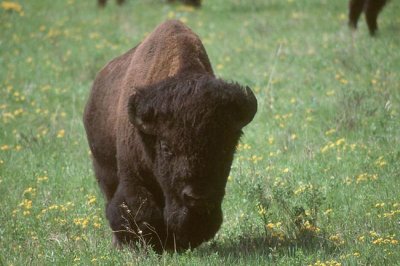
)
(247, 245)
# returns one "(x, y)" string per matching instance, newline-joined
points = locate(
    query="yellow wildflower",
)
(330, 93)
(61, 133)
(26, 204)
(286, 170)
(380, 162)
(91, 200)
(270, 226)
(340, 141)
(11, 6)
(85, 222)
(42, 178)
(310, 227)
(373, 233)
(271, 140)
(30, 190)
(96, 225)
(53, 207)
(261, 210)
(5, 147)
(336, 239)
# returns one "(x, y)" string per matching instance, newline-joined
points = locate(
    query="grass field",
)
(316, 179)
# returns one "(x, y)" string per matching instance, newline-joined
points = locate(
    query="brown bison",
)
(162, 130)
(371, 9)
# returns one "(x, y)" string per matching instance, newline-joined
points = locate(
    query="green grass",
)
(316, 176)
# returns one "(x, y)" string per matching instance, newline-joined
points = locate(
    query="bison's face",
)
(193, 168)
(194, 126)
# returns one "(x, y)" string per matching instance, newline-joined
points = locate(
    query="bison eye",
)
(165, 149)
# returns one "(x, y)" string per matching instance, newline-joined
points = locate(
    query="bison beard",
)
(162, 131)
(371, 8)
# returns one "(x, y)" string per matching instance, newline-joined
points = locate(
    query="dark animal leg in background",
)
(372, 10)
(355, 9)
(120, 2)
(196, 3)
(102, 3)
(107, 179)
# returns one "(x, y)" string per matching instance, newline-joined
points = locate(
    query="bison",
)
(371, 9)
(162, 130)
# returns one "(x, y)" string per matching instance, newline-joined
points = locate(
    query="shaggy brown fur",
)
(371, 9)
(163, 130)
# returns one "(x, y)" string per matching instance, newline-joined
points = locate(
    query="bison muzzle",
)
(162, 130)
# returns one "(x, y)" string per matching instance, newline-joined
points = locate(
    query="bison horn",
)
(247, 108)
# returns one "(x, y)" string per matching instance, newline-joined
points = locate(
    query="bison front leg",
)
(135, 217)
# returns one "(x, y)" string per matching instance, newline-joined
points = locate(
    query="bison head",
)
(190, 127)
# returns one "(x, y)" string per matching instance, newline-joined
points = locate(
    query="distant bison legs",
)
(192, 2)
(196, 3)
(372, 9)
(102, 3)
(355, 9)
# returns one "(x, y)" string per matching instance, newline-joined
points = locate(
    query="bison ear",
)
(247, 108)
(141, 115)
